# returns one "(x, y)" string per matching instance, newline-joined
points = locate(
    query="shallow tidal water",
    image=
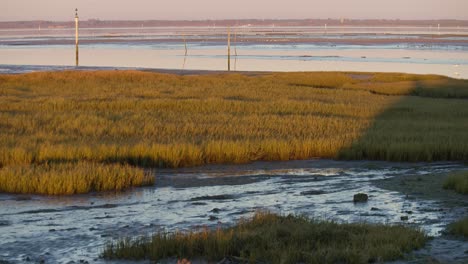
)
(74, 228)
(367, 49)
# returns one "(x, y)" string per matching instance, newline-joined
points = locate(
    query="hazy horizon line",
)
(241, 19)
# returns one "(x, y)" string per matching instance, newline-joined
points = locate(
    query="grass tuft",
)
(459, 228)
(276, 239)
(71, 178)
(458, 182)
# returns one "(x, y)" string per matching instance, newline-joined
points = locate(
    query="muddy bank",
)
(445, 248)
(424, 187)
(249, 40)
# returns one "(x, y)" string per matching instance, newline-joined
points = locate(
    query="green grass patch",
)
(277, 239)
(71, 178)
(459, 228)
(458, 182)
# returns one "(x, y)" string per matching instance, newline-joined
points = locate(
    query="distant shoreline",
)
(23, 69)
(90, 23)
(423, 40)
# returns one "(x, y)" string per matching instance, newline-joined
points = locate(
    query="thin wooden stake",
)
(235, 49)
(76, 37)
(229, 48)
(185, 44)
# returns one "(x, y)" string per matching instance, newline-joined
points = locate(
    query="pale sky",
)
(12, 10)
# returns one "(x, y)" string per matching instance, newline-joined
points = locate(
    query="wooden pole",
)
(185, 45)
(235, 50)
(229, 48)
(76, 37)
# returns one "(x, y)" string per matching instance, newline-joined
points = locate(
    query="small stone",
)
(213, 218)
(409, 212)
(375, 209)
(312, 192)
(360, 198)
(215, 210)
(23, 198)
(404, 218)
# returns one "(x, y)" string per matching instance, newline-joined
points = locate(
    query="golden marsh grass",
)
(71, 178)
(165, 120)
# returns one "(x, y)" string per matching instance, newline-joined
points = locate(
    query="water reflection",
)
(385, 49)
(247, 58)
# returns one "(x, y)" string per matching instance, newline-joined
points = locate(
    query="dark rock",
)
(409, 212)
(213, 218)
(404, 218)
(215, 210)
(212, 197)
(360, 198)
(23, 198)
(375, 209)
(312, 192)
(52, 230)
(198, 203)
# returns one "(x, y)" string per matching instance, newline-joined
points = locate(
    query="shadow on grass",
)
(428, 122)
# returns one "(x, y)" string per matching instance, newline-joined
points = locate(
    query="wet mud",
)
(74, 228)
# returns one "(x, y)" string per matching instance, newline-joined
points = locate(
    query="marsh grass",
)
(459, 228)
(269, 238)
(71, 178)
(163, 120)
(458, 182)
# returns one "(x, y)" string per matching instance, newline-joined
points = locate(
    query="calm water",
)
(412, 50)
